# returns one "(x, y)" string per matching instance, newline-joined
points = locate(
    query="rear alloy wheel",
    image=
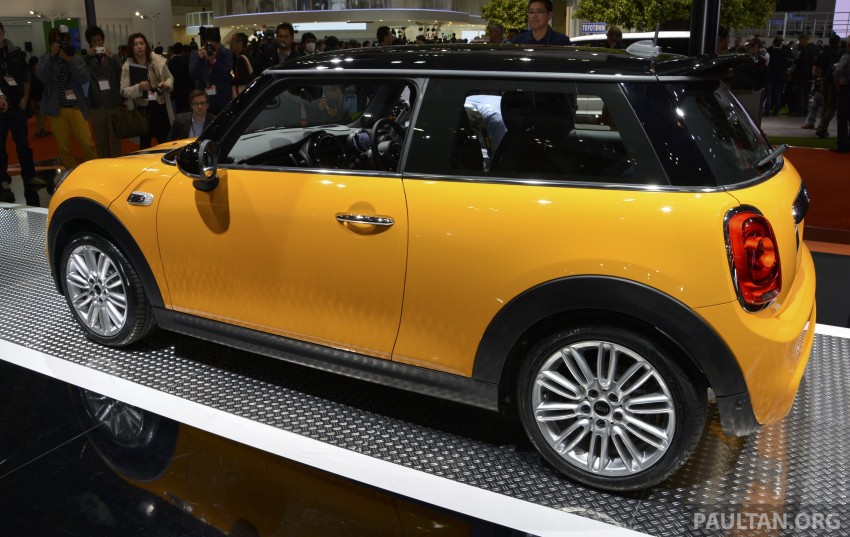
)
(608, 408)
(104, 291)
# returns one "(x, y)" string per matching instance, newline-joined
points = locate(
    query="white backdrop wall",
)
(116, 17)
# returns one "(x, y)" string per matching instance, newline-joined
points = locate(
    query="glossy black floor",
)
(62, 475)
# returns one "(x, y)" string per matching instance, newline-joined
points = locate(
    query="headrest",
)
(517, 110)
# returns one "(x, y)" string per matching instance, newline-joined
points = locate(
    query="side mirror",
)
(199, 160)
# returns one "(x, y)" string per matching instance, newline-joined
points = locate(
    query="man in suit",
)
(192, 124)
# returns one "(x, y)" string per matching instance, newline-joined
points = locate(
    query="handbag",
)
(130, 123)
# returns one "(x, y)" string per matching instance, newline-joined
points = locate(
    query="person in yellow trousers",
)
(64, 101)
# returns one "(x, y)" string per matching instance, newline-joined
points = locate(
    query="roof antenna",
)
(646, 48)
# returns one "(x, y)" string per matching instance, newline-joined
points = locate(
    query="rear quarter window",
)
(536, 131)
(702, 135)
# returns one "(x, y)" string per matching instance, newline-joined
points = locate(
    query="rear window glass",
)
(700, 132)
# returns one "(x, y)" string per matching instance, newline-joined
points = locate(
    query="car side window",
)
(324, 123)
(552, 131)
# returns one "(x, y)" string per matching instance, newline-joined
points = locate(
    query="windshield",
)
(701, 132)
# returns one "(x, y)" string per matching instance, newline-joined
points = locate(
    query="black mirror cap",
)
(199, 160)
(187, 160)
(208, 165)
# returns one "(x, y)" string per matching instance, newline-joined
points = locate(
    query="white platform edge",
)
(829, 330)
(434, 490)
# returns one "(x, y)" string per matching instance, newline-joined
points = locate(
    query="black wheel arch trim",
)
(674, 321)
(90, 214)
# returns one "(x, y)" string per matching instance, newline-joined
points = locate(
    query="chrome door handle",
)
(364, 219)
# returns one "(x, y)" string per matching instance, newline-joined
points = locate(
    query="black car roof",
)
(490, 59)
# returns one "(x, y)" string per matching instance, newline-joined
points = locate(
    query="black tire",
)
(104, 292)
(595, 421)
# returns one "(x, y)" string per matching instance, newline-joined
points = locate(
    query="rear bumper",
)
(772, 348)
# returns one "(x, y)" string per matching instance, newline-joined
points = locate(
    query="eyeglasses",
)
(203, 103)
(532, 12)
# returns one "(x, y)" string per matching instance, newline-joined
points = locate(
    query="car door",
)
(284, 248)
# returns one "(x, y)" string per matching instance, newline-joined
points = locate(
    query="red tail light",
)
(754, 256)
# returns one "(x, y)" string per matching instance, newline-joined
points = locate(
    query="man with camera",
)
(63, 74)
(104, 93)
(210, 68)
(14, 88)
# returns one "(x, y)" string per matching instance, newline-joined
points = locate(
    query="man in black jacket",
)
(802, 76)
(823, 68)
(178, 64)
(15, 86)
(777, 69)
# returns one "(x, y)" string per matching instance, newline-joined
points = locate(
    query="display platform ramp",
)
(790, 478)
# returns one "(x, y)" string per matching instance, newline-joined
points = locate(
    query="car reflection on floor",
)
(243, 491)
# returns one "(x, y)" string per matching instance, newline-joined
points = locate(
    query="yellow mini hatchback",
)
(588, 241)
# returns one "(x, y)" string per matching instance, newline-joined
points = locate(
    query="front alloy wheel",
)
(96, 290)
(104, 292)
(609, 409)
(137, 444)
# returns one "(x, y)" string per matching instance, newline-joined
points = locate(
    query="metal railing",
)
(789, 25)
(239, 7)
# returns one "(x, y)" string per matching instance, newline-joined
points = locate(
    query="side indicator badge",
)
(140, 198)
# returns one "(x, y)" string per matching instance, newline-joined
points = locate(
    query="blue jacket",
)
(48, 72)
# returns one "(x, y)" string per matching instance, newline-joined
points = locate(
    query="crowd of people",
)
(176, 91)
(179, 90)
(801, 79)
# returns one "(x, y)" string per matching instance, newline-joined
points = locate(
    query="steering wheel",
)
(386, 146)
(324, 150)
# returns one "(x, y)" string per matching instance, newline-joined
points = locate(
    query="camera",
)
(210, 50)
(65, 44)
(100, 50)
(67, 48)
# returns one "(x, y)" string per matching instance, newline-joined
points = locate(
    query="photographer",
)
(104, 93)
(63, 74)
(264, 49)
(151, 94)
(210, 68)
